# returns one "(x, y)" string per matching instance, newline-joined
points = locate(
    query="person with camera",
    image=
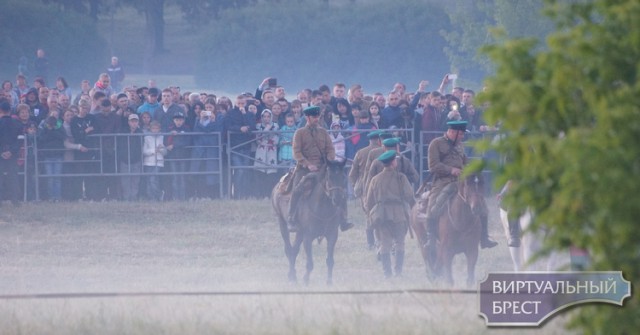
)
(206, 151)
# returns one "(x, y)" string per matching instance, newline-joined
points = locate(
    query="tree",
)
(472, 20)
(570, 113)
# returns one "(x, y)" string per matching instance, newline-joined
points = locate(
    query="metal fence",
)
(216, 163)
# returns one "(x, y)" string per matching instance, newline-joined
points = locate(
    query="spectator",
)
(85, 88)
(374, 110)
(266, 155)
(7, 88)
(390, 115)
(129, 150)
(104, 85)
(167, 111)
(151, 103)
(63, 87)
(206, 152)
(116, 72)
(239, 124)
(145, 122)
(41, 65)
(51, 139)
(107, 122)
(178, 144)
(154, 151)
(285, 148)
(82, 126)
(338, 142)
(359, 138)
(72, 186)
(9, 151)
(22, 87)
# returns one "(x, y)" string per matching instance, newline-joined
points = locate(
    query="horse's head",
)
(335, 183)
(472, 191)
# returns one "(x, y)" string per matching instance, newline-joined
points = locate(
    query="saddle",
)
(285, 186)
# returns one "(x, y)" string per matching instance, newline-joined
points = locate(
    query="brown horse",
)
(316, 215)
(459, 228)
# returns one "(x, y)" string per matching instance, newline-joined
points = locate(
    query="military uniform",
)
(444, 155)
(357, 175)
(311, 146)
(357, 172)
(387, 203)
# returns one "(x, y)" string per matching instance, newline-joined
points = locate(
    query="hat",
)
(178, 115)
(391, 142)
(312, 111)
(134, 116)
(457, 125)
(387, 156)
(154, 91)
(374, 134)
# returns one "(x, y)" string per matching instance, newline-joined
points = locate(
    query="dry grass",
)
(222, 246)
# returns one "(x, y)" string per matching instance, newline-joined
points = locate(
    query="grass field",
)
(212, 246)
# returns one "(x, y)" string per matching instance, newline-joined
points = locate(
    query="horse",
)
(530, 245)
(316, 215)
(459, 228)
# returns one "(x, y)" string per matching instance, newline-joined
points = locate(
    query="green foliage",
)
(472, 22)
(571, 116)
(306, 44)
(70, 40)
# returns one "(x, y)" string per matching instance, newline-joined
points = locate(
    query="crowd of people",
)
(169, 144)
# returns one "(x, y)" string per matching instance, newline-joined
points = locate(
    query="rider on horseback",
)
(446, 161)
(312, 148)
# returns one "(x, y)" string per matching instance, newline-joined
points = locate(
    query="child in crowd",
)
(338, 141)
(374, 110)
(154, 152)
(285, 154)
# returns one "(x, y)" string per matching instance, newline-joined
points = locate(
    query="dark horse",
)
(459, 227)
(317, 216)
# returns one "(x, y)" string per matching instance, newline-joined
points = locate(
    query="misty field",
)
(167, 252)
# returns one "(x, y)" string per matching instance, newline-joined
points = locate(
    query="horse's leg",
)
(307, 249)
(513, 251)
(421, 233)
(472, 258)
(447, 260)
(331, 245)
(294, 250)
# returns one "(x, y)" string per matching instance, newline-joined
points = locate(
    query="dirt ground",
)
(180, 268)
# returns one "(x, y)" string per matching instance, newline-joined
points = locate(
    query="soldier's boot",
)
(371, 240)
(399, 263)
(386, 264)
(432, 237)
(514, 233)
(485, 241)
(344, 224)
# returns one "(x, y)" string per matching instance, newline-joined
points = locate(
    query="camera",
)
(452, 76)
(273, 82)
